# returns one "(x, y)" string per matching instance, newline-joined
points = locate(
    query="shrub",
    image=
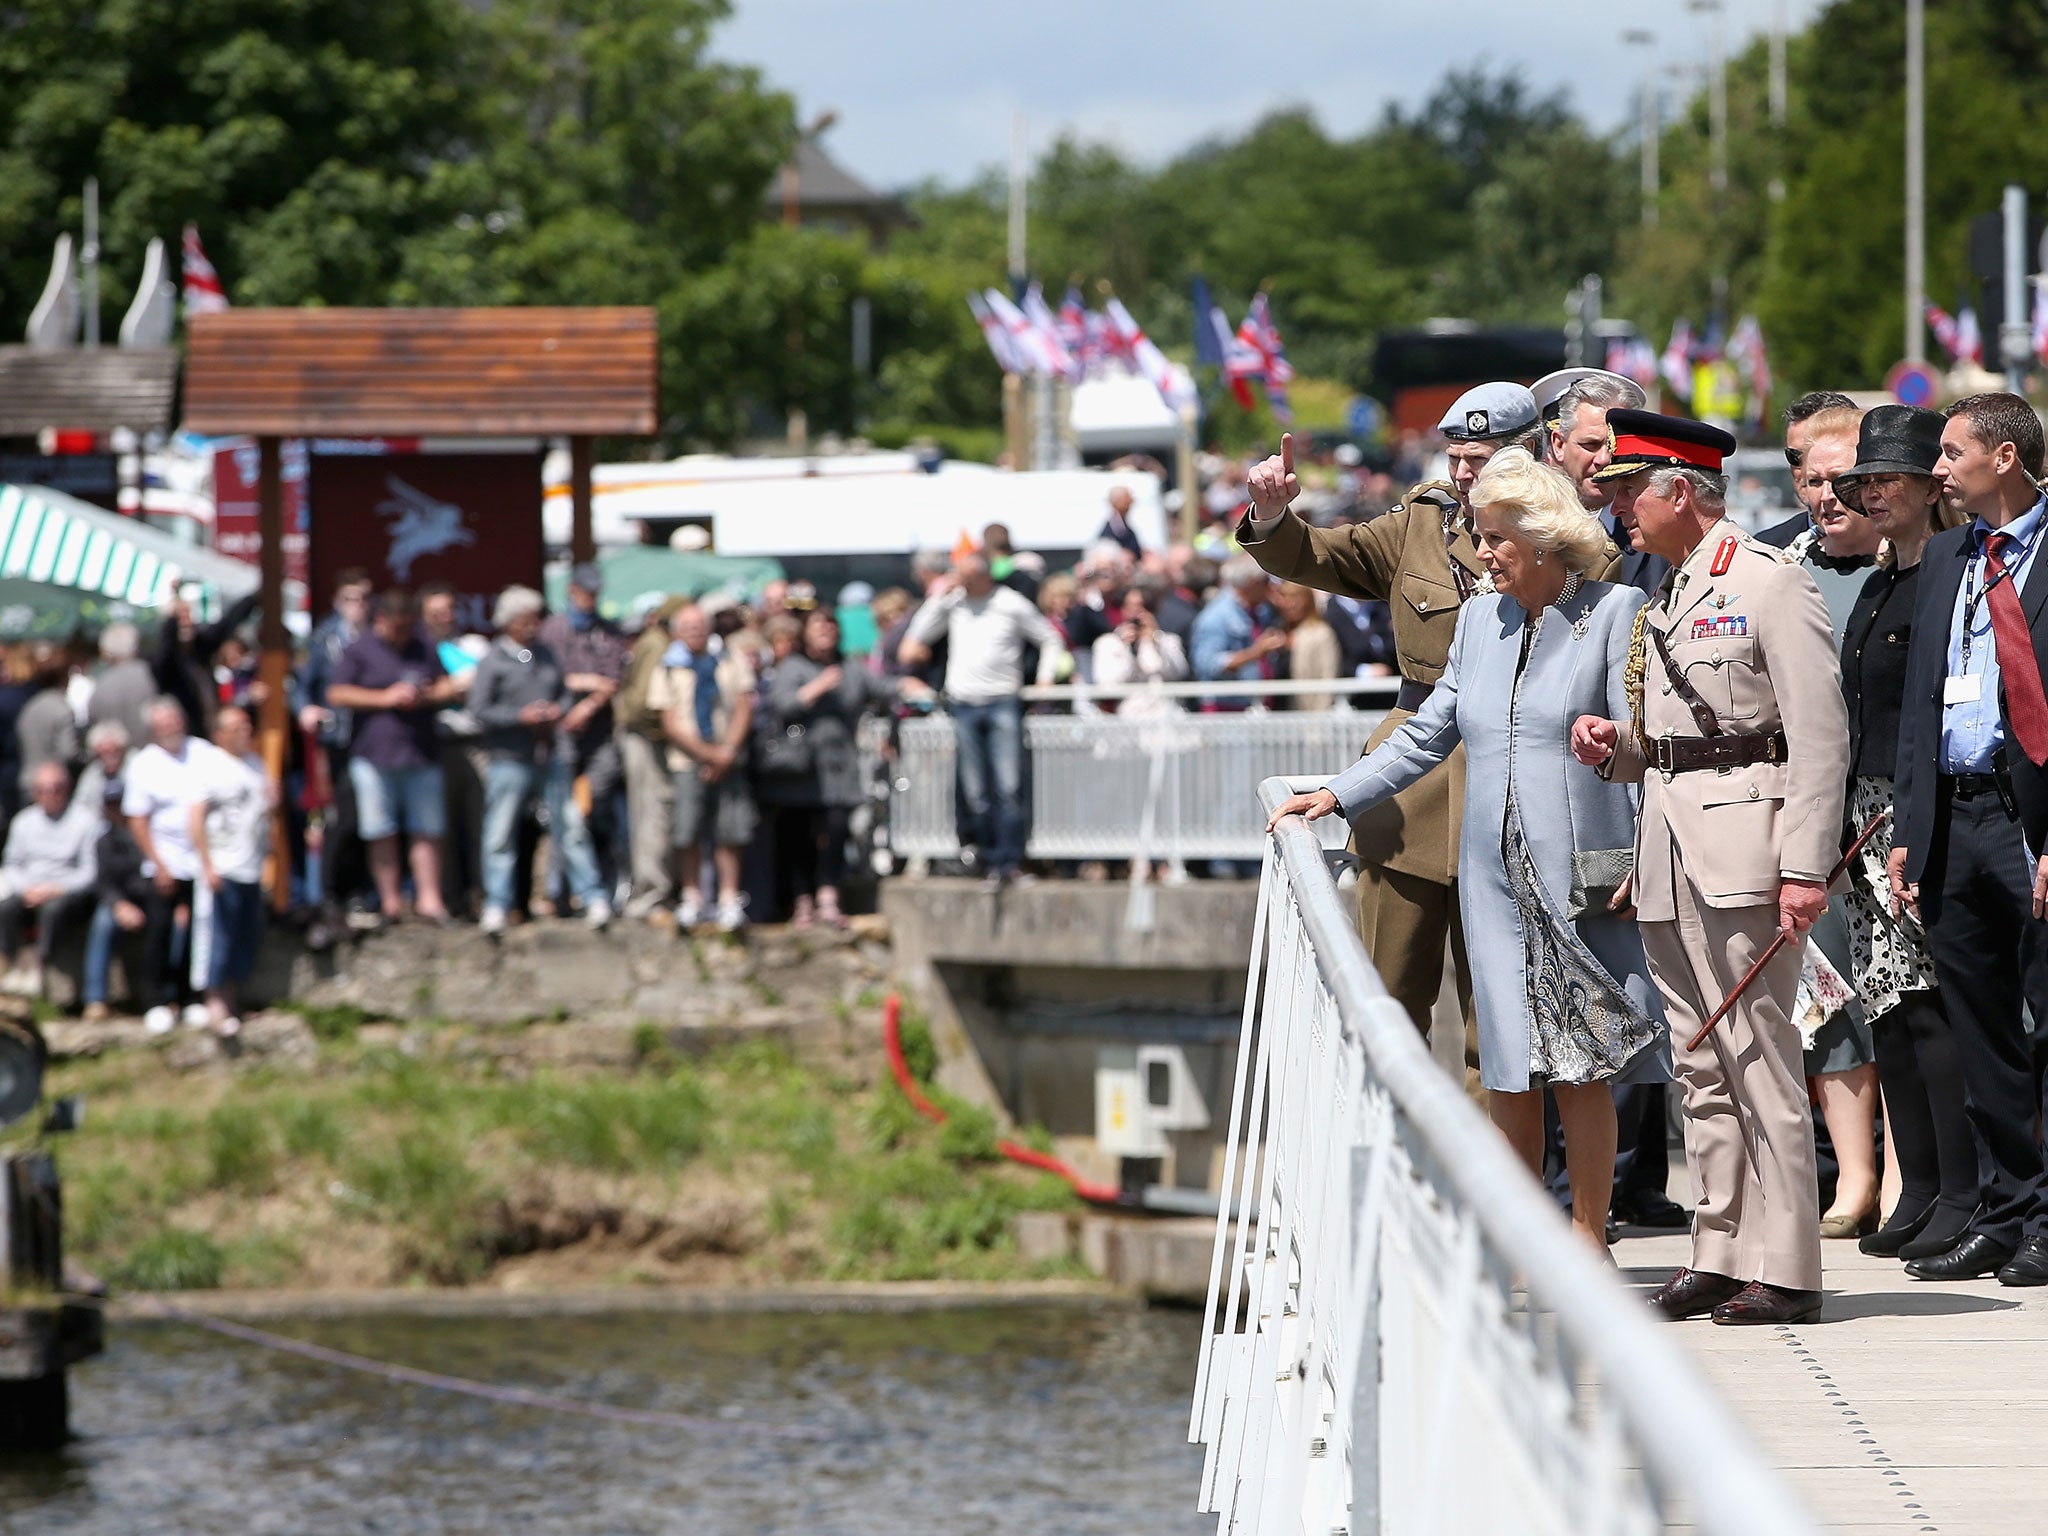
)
(173, 1260)
(239, 1152)
(310, 1128)
(920, 1054)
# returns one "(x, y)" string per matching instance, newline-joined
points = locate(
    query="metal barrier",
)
(1403, 1337)
(1167, 786)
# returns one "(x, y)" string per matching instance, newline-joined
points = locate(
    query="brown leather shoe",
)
(1760, 1303)
(1693, 1292)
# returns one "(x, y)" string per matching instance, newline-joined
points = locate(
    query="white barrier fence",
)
(1164, 783)
(1405, 1338)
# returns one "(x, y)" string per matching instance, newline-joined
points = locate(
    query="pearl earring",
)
(1539, 557)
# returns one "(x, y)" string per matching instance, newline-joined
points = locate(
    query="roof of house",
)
(425, 372)
(86, 388)
(822, 181)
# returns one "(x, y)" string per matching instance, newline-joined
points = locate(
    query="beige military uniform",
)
(1712, 845)
(1408, 845)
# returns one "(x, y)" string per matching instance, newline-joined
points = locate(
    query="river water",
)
(1035, 1421)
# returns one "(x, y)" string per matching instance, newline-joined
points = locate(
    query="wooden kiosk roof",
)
(94, 388)
(422, 372)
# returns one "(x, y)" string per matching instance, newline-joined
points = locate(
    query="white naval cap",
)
(1551, 388)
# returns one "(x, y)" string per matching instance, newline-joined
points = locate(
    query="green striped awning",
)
(59, 541)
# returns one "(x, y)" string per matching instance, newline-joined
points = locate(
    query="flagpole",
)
(1916, 180)
(1020, 176)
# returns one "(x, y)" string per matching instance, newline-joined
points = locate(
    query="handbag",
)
(780, 746)
(1597, 873)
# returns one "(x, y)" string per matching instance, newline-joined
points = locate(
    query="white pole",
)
(1778, 64)
(1916, 180)
(2015, 333)
(1652, 125)
(1020, 175)
(89, 261)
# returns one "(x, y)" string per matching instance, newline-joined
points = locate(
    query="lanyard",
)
(1972, 596)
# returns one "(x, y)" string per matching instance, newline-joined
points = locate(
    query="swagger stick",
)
(1771, 950)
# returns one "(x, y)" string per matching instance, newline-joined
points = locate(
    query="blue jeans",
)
(230, 923)
(989, 745)
(509, 788)
(99, 952)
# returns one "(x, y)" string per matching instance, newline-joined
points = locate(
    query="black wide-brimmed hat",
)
(1895, 440)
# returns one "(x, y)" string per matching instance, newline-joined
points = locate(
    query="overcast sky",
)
(928, 87)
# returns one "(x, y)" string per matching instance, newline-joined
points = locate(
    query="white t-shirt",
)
(238, 805)
(163, 789)
(985, 640)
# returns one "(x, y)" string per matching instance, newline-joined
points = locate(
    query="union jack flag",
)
(1262, 337)
(1946, 331)
(203, 292)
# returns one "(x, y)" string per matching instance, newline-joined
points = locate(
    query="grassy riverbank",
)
(417, 1159)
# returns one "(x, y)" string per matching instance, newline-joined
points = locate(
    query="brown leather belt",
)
(1413, 695)
(1689, 754)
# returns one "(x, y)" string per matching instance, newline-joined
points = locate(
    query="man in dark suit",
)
(1958, 849)
(1117, 528)
(1797, 415)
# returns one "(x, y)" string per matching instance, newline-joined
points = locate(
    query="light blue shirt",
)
(1222, 629)
(1972, 733)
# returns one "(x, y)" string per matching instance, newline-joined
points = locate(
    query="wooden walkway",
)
(1909, 1407)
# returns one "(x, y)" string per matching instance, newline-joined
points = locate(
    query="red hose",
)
(1030, 1157)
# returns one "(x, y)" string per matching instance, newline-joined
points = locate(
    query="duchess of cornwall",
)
(1562, 991)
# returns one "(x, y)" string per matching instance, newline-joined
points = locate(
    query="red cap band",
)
(1637, 445)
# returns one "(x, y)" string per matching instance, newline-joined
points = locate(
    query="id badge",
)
(1967, 689)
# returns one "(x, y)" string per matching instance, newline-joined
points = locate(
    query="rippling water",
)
(1039, 1422)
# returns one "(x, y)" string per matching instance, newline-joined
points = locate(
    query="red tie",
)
(2018, 666)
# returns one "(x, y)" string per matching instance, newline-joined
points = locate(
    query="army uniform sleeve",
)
(1357, 561)
(1806, 676)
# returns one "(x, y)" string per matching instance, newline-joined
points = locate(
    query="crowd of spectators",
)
(700, 765)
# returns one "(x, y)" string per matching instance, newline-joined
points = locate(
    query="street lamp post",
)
(1652, 128)
(1916, 180)
(1717, 94)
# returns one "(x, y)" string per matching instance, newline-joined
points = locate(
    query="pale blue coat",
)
(1563, 804)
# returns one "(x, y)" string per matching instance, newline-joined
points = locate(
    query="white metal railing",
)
(1165, 785)
(1405, 1337)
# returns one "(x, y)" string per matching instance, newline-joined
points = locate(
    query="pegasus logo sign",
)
(421, 525)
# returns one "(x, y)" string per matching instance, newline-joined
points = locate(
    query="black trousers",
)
(1991, 957)
(810, 849)
(53, 919)
(1925, 1103)
(344, 867)
(166, 978)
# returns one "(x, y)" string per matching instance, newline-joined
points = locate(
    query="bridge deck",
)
(1909, 1407)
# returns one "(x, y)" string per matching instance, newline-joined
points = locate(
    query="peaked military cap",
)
(1645, 440)
(1550, 390)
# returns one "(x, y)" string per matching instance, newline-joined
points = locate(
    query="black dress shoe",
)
(1888, 1239)
(1692, 1293)
(1652, 1208)
(2029, 1266)
(1757, 1303)
(1975, 1255)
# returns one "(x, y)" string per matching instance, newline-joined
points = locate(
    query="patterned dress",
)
(1889, 954)
(1583, 1027)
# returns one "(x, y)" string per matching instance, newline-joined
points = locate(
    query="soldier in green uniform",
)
(1420, 559)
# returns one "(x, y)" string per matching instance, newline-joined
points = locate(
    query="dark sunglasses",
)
(1793, 456)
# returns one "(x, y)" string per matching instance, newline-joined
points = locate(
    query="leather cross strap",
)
(1702, 711)
(1690, 754)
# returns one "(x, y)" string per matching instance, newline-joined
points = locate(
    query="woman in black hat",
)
(1892, 484)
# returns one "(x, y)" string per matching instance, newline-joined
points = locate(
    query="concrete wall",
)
(1023, 986)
